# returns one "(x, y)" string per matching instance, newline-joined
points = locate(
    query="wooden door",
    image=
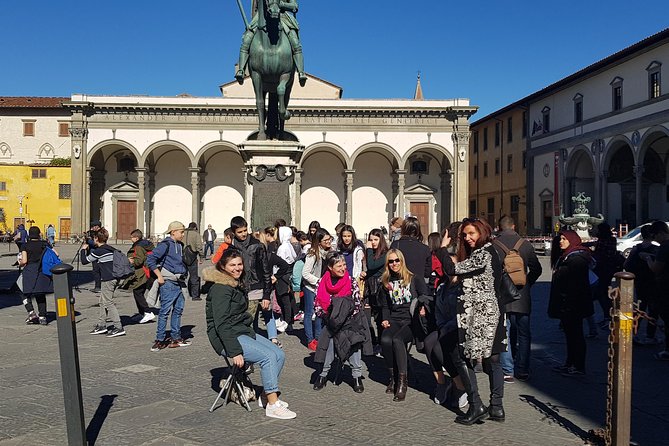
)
(19, 221)
(64, 228)
(126, 218)
(421, 210)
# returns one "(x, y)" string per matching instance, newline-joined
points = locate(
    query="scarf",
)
(575, 244)
(327, 290)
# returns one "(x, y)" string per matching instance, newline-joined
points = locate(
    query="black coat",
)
(570, 288)
(532, 267)
(348, 331)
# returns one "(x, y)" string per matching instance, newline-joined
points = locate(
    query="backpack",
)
(121, 266)
(49, 260)
(513, 263)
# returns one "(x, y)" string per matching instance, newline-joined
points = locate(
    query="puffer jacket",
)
(137, 255)
(226, 312)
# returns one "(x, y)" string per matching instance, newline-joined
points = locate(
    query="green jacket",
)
(137, 256)
(193, 239)
(226, 312)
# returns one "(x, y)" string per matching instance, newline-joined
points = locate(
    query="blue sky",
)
(492, 52)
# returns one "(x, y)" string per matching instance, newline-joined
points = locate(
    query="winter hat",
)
(175, 226)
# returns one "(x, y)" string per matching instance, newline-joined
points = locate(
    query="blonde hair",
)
(261, 237)
(405, 274)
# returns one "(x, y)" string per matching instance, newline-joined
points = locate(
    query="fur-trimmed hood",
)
(211, 274)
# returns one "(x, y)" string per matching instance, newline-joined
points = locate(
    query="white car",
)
(632, 238)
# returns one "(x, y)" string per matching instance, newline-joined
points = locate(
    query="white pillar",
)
(349, 196)
(400, 192)
(141, 209)
(195, 192)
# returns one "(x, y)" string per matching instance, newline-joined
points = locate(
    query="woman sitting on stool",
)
(230, 333)
(346, 330)
(400, 289)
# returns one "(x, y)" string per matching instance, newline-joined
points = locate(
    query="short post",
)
(622, 361)
(69, 355)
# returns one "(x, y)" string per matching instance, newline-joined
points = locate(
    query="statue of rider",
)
(290, 28)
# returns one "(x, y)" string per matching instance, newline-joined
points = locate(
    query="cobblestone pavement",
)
(136, 397)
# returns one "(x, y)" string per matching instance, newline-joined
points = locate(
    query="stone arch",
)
(580, 176)
(118, 142)
(378, 147)
(619, 182)
(46, 151)
(227, 146)
(329, 147)
(649, 137)
(654, 157)
(5, 150)
(613, 146)
(168, 143)
(427, 146)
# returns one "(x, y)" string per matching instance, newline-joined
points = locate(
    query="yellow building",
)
(498, 168)
(36, 195)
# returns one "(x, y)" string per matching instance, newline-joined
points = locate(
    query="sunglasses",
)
(391, 261)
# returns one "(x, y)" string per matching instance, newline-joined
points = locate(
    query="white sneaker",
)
(148, 317)
(262, 402)
(440, 393)
(280, 412)
(281, 326)
(462, 401)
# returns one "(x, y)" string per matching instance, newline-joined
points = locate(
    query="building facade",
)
(35, 178)
(145, 161)
(604, 131)
(498, 174)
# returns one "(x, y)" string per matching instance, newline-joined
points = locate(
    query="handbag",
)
(189, 256)
(371, 291)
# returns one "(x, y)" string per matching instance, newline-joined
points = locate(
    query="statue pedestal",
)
(271, 189)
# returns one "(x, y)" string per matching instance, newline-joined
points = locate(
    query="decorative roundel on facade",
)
(77, 151)
(636, 138)
(547, 170)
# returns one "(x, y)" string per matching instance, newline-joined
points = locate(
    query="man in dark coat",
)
(518, 312)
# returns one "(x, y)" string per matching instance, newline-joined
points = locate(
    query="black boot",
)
(476, 412)
(357, 385)
(390, 389)
(402, 385)
(321, 382)
(497, 413)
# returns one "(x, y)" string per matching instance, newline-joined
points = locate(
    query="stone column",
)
(141, 209)
(461, 172)
(195, 192)
(394, 209)
(400, 192)
(80, 190)
(97, 189)
(446, 201)
(203, 187)
(598, 193)
(349, 196)
(605, 191)
(152, 191)
(297, 215)
(248, 191)
(638, 176)
(86, 203)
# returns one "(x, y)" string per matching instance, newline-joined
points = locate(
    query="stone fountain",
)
(581, 221)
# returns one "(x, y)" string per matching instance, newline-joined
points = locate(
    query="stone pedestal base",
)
(271, 190)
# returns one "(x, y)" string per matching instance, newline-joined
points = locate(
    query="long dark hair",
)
(383, 246)
(434, 241)
(340, 240)
(411, 228)
(484, 230)
(319, 235)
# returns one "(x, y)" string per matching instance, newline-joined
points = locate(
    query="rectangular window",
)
(525, 124)
(496, 166)
(654, 84)
(476, 142)
(509, 163)
(617, 97)
(497, 134)
(485, 169)
(491, 206)
(472, 207)
(524, 159)
(476, 171)
(515, 203)
(3, 186)
(485, 139)
(64, 191)
(63, 129)
(509, 129)
(28, 128)
(546, 121)
(578, 111)
(39, 173)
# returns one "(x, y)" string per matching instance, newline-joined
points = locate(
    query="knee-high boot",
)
(477, 411)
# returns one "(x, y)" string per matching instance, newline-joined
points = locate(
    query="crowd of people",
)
(462, 297)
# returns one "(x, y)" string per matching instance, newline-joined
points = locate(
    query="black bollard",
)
(69, 355)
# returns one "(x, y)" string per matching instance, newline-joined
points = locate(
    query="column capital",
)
(349, 171)
(141, 169)
(78, 132)
(193, 170)
(401, 171)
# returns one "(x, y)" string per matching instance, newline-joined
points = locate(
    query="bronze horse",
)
(272, 70)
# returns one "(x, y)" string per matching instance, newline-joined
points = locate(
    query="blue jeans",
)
(506, 358)
(520, 343)
(312, 329)
(208, 246)
(171, 299)
(263, 352)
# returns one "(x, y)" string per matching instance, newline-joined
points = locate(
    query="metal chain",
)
(604, 435)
